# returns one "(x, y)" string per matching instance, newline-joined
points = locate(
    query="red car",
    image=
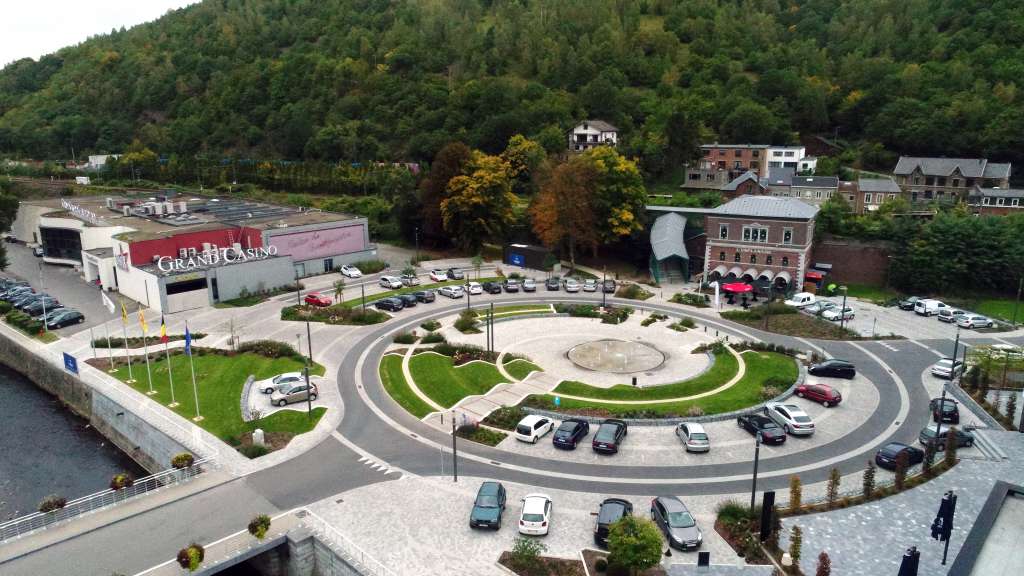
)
(318, 299)
(827, 395)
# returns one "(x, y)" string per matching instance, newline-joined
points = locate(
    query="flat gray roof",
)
(767, 207)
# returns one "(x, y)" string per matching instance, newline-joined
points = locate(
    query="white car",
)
(351, 271)
(800, 299)
(475, 288)
(269, 385)
(791, 417)
(834, 313)
(532, 428)
(451, 291)
(391, 282)
(944, 368)
(928, 307)
(536, 515)
(572, 285)
(438, 275)
(693, 437)
(974, 321)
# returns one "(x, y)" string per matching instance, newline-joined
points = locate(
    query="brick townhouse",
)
(767, 238)
(723, 163)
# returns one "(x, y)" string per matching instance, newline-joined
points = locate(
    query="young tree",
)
(950, 456)
(450, 162)
(479, 203)
(795, 493)
(900, 474)
(526, 553)
(824, 565)
(562, 213)
(832, 490)
(635, 543)
(796, 540)
(524, 158)
(1011, 408)
(868, 483)
(929, 458)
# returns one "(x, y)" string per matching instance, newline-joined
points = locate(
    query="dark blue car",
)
(569, 434)
(488, 507)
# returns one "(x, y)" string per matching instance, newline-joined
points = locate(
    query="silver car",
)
(572, 285)
(288, 378)
(590, 285)
(693, 437)
(294, 393)
(676, 522)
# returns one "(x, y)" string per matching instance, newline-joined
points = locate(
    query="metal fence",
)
(354, 555)
(100, 500)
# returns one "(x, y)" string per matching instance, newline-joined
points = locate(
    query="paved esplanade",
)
(375, 429)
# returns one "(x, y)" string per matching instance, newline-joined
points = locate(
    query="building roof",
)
(668, 236)
(767, 207)
(599, 125)
(969, 167)
(717, 145)
(994, 170)
(815, 182)
(885, 185)
(779, 176)
(749, 175)
(997, 192)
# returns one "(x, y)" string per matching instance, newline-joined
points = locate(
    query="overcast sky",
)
(32, 28)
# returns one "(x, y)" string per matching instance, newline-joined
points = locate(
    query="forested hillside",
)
(358, 80)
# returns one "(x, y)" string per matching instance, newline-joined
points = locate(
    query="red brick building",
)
(723, 163)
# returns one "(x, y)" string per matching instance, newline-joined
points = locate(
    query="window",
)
(969, 183)
(762, 235)
(956, 182)
(737, 165)
(867, 197)
(753, 258)
(774, 164)
(929, 181)
(1015, 202)
(710, 177)
(746, 234)
(817, 194)
(723, 231)
(755, 234)
(736, 257)
(787, 235)
(721, 256)
(1000, 201)
(789, 153)
(755, 153)
(891, 197)
(928, 194)
(776, 153)
(694, 175)
(738, 153)
(721, 164)
(917, 179)
(768, 259)
(721, 152)
(754, 164)
(941, 181)
(785, 260)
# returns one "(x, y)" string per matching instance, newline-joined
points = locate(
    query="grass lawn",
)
(723, 370)
(394, 382)
(219, 380)
(520, 369)
(446, 384)
(999, 308)
(876, 294)
(244, 301)
(797, 324)
(747, 392)
(511, 310)
(408, 289)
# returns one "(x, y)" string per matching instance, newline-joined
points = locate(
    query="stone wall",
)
(854, 261)
(72, 391)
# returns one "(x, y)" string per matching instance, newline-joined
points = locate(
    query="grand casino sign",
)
(217, 257)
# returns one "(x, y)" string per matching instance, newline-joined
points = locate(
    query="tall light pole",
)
(604, 278)
(1016, 303)
(416, 234)
(43, 299)
(942, 401)
(842, 311)
(757, 458)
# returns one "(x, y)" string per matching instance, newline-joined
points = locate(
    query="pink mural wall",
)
(319, 243)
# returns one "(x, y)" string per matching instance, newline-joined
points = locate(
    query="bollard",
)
(716, 333)
(634, 380)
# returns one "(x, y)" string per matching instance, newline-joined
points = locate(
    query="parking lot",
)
(874, 320)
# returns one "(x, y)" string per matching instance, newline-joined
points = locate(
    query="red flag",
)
(163, 330)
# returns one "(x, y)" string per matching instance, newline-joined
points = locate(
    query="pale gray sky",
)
(32, 28)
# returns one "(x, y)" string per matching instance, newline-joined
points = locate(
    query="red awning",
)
(738, 287)
(814, 275)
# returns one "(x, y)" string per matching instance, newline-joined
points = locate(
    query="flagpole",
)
(195, 390)
(124, 327)
(92, 342)
(149, 374)
(170, 380)
(110, 351)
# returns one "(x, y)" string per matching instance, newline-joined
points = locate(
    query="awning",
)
(721, 269)
(814, 275)
(750, 272)
(783, 276)
(738, 287)
(736, 271)
(767, 274)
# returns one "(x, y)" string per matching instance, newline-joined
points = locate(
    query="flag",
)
(124, 314)
(188, 340)
(163, 330)
(107, 302)
(142, 321)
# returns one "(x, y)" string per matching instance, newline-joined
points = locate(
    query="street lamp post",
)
(604, 295)
(757, 458)
(1016, 303)
(842, 311)
(467, 295)
(43, 300)
(455, 453)
(416, 234)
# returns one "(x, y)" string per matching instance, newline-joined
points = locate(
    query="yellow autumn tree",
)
(479, 203)
(618, 196)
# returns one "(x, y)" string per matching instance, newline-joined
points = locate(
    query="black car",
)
(41, 304)
(833, 368)
(511, 285)
(64, 317)
(771, 433)
(570, 432)
(950, 410)
(886, 457)
(908, 303)
(455, 274)
(408, 300)
(611, 511)
(26, 299)
(492, 287)
(608, 286)
(488, 507)
(14, 292)
(389, 304)
(609, 436)
(927, 436)
(553, 283)
(425, 295)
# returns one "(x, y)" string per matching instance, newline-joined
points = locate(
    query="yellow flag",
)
(124, 314)
(142, 321)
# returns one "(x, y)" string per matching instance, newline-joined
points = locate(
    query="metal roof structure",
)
(748, 175)
(668, 236)
(815, 182)
(884, 185)
(968, 167)
(767, 207)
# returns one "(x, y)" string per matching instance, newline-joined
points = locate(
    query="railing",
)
(93, 502)
(348, 550)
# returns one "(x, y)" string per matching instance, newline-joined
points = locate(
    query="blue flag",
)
(188, 341)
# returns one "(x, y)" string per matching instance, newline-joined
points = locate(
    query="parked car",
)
(425, 295)
(455, 274)
(945, 368)
(492, 287)
(835, 314)
(64, 317)
(950, 315)
(608, 286)
(611, 511)
(38, 306)
(928, 436)
(26, 298)
(928, 307)
(390, 282)
(693, 437)
(294, 393)
(824, 394)
(438, 275)
(408, 300)
(474, 288)
(351, 271)
(410, 280)
(572, 285)
(590, 285)
(887, 455)
(676, 522)
(389, 304)
(950, 410)
(529, 285)
(532, 428)
(974, 321)
(488, 506)
(609, 436)
(38, 252)
(511, 285)
(800, 300)
(791, 417)
(570, 432)
(553, 283)
(908, 303)
(13, 292)
(270, 384)
(771, 433)
(318, 299)
(536, 515)
(820, 307)
(451, 291)
(833, 368)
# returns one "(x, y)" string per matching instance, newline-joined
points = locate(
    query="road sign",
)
(70, 363)
(558, 401)
(517, 260)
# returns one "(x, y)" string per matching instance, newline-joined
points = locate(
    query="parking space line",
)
(888, 346)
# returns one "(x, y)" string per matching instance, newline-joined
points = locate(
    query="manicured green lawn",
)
(1000, 308)
(747, 392)
(409, 289)
(394, 382)
(723, 370)
(511, 310)
(520, 369)
(241, 302)
(219, 380)
(446, 384)
(877, 294)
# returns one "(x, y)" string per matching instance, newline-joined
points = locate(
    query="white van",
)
(928, 307)
(800, 300)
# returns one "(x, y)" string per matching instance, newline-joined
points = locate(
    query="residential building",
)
(948, 179)
(99, 161)
(794, 157)
(849, 191)
(872, 192)
(779, 181)
(814, 189)
(723, 163)
(760, 238)
(996, 201)
(746, 183)
(591, 133)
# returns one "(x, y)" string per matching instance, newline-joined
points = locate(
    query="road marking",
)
(366, 455)
(821, 350)
(928, 348)
(888, 346)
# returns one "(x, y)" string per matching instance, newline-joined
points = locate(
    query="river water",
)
(47, 449)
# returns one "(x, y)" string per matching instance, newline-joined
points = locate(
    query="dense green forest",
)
(395, 80)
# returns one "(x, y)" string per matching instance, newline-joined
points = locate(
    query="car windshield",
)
(533, 517)
(567, 427)
(680, 520)
(945, 363)
(766, 424)
(929, 432)
(698, 436)
(605, 434)
(487, 501)
(892, 449)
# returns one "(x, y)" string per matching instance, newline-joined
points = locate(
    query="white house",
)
(794, 157)
(97, 162)
(591, 133)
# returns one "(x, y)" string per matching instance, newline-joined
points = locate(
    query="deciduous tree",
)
(450, 162)
(479, 203)
(562, 212)
(618, 193)
(635, 543)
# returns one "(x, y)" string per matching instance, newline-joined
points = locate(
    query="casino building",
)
(173, 253)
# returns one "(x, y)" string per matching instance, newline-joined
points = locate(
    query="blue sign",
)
(558, 401)
(70, 364)
(517, 260)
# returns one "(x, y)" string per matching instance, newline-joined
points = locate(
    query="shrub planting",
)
(370, 266)
(191, 557)
(430, 325)
(269, 349)
(690, 299)
(337, 314)
(259, 526)
(122, 480)
(432, 338)
(182, 460)
(616, 315)
(406, 338)
(578, 310)
(467, 322)
(51, 503)
(633, 292)
(505, 417)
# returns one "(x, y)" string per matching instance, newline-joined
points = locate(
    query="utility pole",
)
(757, 458)
(416, 234)
(604, 296)
(1016, 303)
(842, 311)
(309, 392)
(455, 453)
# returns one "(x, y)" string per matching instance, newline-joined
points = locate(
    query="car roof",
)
(894, 447)
(612, 509)
(672, 504)
(531, 419)
(534, 503)
(693, 426)
(488, 488)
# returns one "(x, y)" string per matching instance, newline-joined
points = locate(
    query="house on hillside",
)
(591, 133)
(746, 183)
(996, 201)
(872, 192)
(947, 179)
(794, 157)
(814, 189)
(721, 164)
(99, 161)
